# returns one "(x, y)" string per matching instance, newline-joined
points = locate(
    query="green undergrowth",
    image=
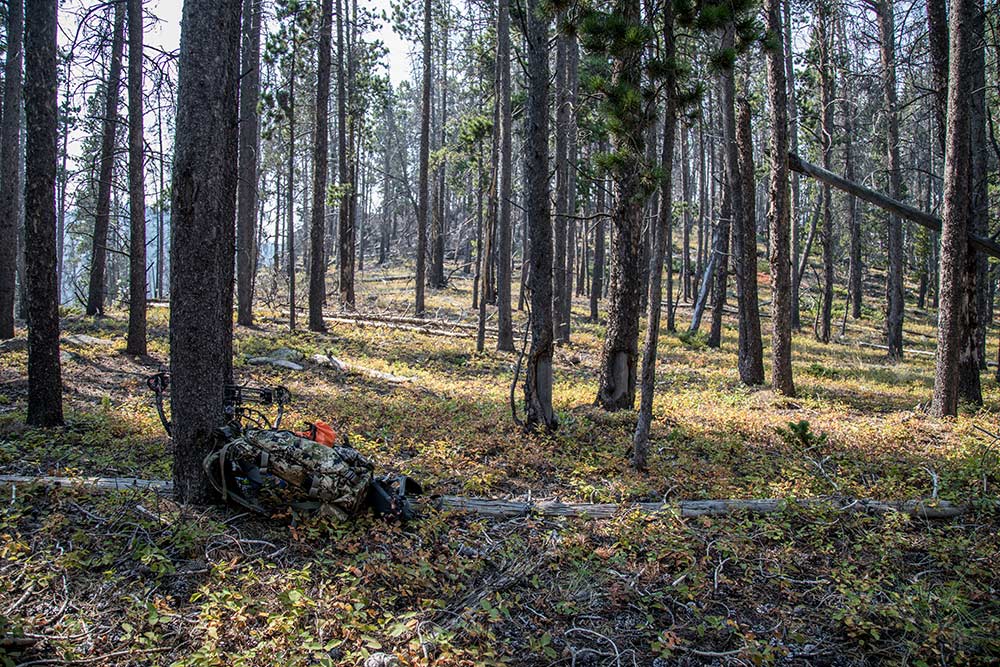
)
(123, 579)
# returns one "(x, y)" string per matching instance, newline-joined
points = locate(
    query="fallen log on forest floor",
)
(429, 330)
(940, 509)
(924, 509)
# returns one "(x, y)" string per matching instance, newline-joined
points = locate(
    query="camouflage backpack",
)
(336, 479)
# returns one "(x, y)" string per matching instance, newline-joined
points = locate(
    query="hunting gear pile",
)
(253, 459)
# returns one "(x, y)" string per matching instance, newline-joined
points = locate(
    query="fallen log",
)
(95, 483)
(401, 327)
(940, 509)
(931, 222)
(923, 509)
(347, 367)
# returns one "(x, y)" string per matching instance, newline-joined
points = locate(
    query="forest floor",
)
(131, 578)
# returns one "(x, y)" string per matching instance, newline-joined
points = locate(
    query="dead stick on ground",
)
(940, 509)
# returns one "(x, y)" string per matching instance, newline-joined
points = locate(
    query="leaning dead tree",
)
(931, 222)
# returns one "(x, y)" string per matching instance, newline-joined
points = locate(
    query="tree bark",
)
(99, 244)
(751, 350)
(894, 276)
(597, 277)
(10, 166)
(290, 198)
(538, 367)
(136, 340)
(345, 234)
(247, 190)
(572, 156)
(425, 137)
(977, 316)
(640, 439)
(562, 178)
(505, 328)
(778, 213)
(955, 295)
(791, 134)
(202, 217)
(317, 231)
(937, 34)
(619, 356)
(826, 83)
(41, 139)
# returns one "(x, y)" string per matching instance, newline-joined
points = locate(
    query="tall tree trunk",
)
(894, 277)
(136, 341)
(436, 278)
(425, 137)
(732, 199)
(505, 329)
(778, 212)
(792, 140)
(161, 204)
(972, 357)
(597, 278)
(687, 218)
(247, 190)
(42, 135)
(10, 166)
(572, 156)
(619, 356)
(826, 84)
(202, 219)
(345, 235)
(562, 178)
(290, 199)
(751, 349)
(538, 366)
(955, 295)
(99, 245)
(937, 34)
(317, 231)
(640, 439)
(855, 268)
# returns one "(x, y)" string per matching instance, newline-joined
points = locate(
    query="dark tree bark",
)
(41, 140)
(290, 198)
(640, 439)
(937, 34)
(538, 364)
(894, 277)
(505, 329)
(826, 84)
(438, 231)
(136, 340)
(792, 141)
(687, 218)
(572, 156)
(597, 278)
(778, 212)
(732, 200)
(317, 231)
(345, 233)
(10, 165)
(247, 190)
(99, 249)
(955, 295)
(562, 179)
(619, 357)
(423, 207)
(751, 349)
(855, 268)
(977, 302)
(203, 218)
